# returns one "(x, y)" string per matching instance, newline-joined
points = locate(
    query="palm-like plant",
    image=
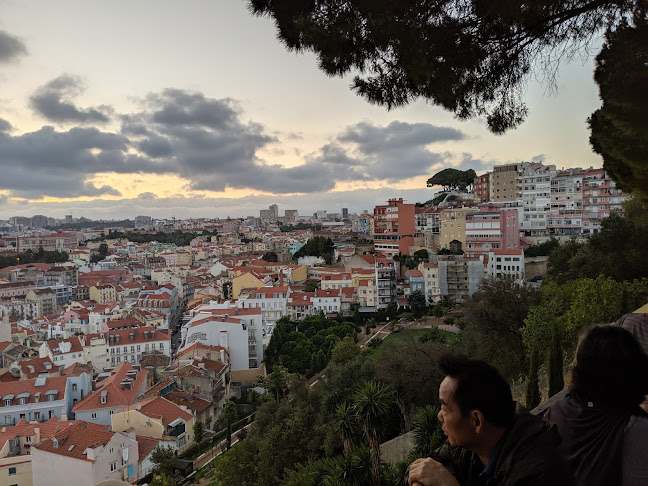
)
(427, 430)
(346, 424)
(372, 404)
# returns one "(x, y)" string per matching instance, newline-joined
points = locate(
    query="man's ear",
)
(477, 420)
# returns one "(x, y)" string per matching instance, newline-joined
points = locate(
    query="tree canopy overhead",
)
(619, 129)
(471, 57)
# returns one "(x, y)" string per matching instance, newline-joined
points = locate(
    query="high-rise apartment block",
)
(552, 202)
(506, 182)
(394, 227)
(481, 188)
(536, 198)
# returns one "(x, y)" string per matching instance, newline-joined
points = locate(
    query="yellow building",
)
(247, 280)
(102, 294)
(452, 226)
(157, 418)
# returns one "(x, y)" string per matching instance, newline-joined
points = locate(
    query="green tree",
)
(229, 416)
(344, 351)
(556, 380)
(619, 129)
(198, 432)
(346, 424)
(372, 404)
(276, 382)
(319, 246)
(270, 256)
(427, 431)
(417, 303)
(532, 388)
(163, 458)
(422, 255)
(452, 179)
(493, 320)
(471, 58)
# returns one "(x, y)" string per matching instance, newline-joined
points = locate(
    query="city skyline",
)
(109, 112)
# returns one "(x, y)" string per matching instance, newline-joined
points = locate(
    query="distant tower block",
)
(68, 219)
(345, 213)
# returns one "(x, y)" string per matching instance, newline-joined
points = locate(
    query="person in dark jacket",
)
(489, 442)
(604, 431)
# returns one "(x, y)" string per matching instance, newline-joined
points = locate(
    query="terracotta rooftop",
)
(31, 368)
(114, 392)
(73, 441)
(34, 390)
(144, 446)
(159, 408)
(186, 399)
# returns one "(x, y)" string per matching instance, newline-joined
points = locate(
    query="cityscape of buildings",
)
(125, 345)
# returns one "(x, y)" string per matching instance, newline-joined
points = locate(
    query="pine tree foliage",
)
(469, 57)
(619, 129)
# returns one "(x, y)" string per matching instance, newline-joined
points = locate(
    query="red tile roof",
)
(55, 384)
(159, 408)
(186, 399)
(116, 394)
(31, 368)
(81, 435)
(144, 446)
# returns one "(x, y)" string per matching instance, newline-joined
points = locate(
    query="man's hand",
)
(428, 472)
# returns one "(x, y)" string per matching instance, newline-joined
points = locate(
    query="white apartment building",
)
(506, 263)
(536, 198)
(271, 300)
(327, 301)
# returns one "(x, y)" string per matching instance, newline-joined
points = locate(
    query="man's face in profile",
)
(457, 427)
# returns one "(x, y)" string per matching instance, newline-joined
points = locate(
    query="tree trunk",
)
(556, 381)
(374, 444)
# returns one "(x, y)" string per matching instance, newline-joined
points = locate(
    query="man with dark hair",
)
(488, 442)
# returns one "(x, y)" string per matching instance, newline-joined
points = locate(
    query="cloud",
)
(54, 102)
(5, 126)
(206, 142)
(11, 47)
(146, 195)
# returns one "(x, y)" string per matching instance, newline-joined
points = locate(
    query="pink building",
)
(394, 227)
(492, 228)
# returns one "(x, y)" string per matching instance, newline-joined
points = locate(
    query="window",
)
(161, 345)
(36, 415)
(113, 466)
(112, 449)
(28, 438)
(12, 471)
(7, 402)
(74, 387)
(93, 415)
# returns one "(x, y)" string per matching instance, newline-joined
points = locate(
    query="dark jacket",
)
(593, 437)
(528, 457)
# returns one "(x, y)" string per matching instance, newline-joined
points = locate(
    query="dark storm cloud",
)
(5, 126)
(11, 47)
(54, 102)
(205, 141)
(52, 163)
(372, 139)
(155, 147)
(398, 151)
(178, 107)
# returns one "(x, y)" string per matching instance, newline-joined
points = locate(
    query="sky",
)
(114, 109)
